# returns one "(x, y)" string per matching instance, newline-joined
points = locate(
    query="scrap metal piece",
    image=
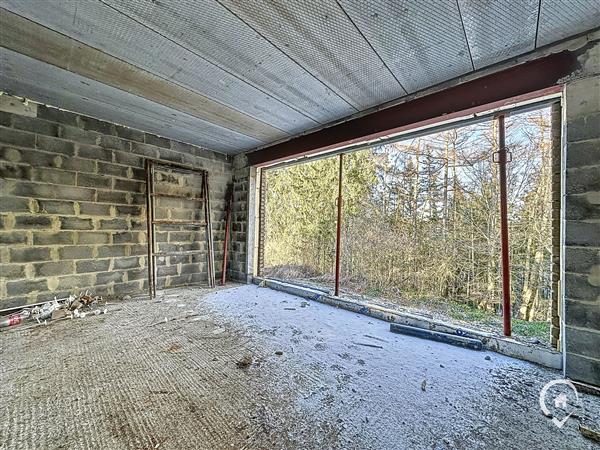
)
(589, 433)
(461, 341)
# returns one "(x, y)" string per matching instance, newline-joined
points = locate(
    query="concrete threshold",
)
(499, 344)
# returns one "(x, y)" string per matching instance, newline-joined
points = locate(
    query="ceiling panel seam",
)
(537, 24)
(462, 23)
(372, 48)
(332, 89)
(161, 78)
(191, 50)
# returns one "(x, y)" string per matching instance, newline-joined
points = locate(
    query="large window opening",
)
(300, 220)
(421, 224)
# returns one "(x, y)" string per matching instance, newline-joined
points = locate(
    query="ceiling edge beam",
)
(516, 81)
(36, 41)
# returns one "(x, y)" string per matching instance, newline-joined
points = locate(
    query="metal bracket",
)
(496, 157)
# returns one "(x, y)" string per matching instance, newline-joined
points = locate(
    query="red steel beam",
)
(472, 96)
(502, 160)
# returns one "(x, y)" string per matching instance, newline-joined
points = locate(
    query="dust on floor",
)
(251, 368)
(462, 314)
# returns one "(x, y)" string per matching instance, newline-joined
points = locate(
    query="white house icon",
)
(560, 401)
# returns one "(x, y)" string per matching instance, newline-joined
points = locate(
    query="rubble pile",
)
(69, 308)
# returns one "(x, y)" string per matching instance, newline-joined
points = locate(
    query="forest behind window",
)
(421, 222)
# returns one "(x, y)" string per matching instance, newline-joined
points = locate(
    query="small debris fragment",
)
(375, 338)
(279, 353)
(304, 304)
(174, 348)
(589, 433)
(290, 309)
(367, 345)
(424, 385)
(488, 358)
(442, 366)
(244, 362)
(61, 314)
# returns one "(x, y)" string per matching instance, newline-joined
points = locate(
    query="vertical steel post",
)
(209, 232)
(502, 159)
(338, 240)
(150, 228)
(229, 199)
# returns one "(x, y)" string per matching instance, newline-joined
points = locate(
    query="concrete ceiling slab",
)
(248, 74)
(31, 39)
(27, 77)
(560, 19)
(422, 41)
(104, 28)
(209, 29)
(500, 29)
(321, 37)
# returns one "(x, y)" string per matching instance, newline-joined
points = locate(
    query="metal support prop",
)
(229, 197)
(209, 234)
(338, 240)
(502, 160)
(150, 227)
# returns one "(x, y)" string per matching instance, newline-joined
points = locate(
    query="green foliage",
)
(301, 209)
(534, 329)
(421, 220)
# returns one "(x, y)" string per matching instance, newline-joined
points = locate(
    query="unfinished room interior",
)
(300, 224)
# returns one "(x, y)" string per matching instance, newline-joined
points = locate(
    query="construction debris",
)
(364, 344)
(461, 341)
(375, 338)
(72, 307)
(173, 319)
(15, 319)
(589, 433)
(244, 362)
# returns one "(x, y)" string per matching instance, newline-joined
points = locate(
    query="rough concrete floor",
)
(118, 381)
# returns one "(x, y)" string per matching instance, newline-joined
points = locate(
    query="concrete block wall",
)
(582, 225)
(73, 206)
(556, 138)
(180, 268)
(238, 262)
